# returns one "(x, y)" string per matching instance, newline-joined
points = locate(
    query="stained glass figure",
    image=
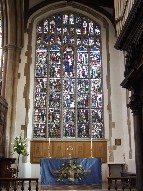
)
(54, 123)
(78, 19)
(69, 123)
(65, 18)
(85, 27)
(65, 29)
(65, 39)
(39, 123)
(96, 86)
(59, 28)
(69, 85)
(98, 42)
(91, 40)
(78, 29)
(71, 19)
(97, 123)
(91, 28)
(58, 18)
(83, 86)
(78, 40)
(46, 38)
(71, 39)
(54, 100)
(83, 101)
(39, 38)
(52, 26)
(97, 30)
(40, 100)
(72, 29)
(58, 39)
(46, 26)
(68, 78)
(40, 85)
(68, 59)
(96, 101)
(68, 100)
(83, 130)
(41, 65)
(40, 27)
(55, 85)
(52, 39)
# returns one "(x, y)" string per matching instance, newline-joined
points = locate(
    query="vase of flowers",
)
(20, 147)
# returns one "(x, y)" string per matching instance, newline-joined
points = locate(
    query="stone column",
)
(136, 107)
(9, 92)
(13, 41)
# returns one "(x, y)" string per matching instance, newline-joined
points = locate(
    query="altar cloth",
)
(50, 168)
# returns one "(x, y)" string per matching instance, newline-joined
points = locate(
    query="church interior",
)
(71, 94)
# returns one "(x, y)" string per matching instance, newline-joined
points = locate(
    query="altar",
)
(70, 171)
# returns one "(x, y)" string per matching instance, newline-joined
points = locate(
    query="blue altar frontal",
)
(70, 171)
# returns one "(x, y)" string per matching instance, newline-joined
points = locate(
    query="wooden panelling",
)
(38, 149)
(99, 149)
(79, 150)
(65, 149)
(45, 149)
(58, 149)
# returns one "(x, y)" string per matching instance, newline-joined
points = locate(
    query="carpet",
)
(70, 187)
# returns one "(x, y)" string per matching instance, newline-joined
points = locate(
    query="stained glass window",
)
(68, 78)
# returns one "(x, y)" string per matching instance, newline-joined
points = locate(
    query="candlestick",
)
(91, 153)
(49, 156)
(91, 143)
(49, 142)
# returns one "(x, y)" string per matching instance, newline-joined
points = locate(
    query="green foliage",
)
(20, 146)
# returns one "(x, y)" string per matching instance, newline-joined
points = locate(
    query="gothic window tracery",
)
(68, 78)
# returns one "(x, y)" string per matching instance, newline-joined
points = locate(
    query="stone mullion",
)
(136, 107)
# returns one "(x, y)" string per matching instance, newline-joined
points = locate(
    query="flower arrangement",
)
(20, 146)
(71, 171)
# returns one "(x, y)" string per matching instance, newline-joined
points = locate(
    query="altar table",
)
(79, 170)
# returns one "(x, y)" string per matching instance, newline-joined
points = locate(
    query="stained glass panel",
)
(69, 123)
(40, 92)
(68, 78)
(46, 26)
(40, 27)
(54, 123)
(68, 59)
(52, 26)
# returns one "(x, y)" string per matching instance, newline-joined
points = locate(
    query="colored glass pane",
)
(46, 26)
(68, 78)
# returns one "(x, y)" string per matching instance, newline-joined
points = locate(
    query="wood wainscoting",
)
(58, 149)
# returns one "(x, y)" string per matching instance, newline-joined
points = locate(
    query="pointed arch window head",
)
(68, 78)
